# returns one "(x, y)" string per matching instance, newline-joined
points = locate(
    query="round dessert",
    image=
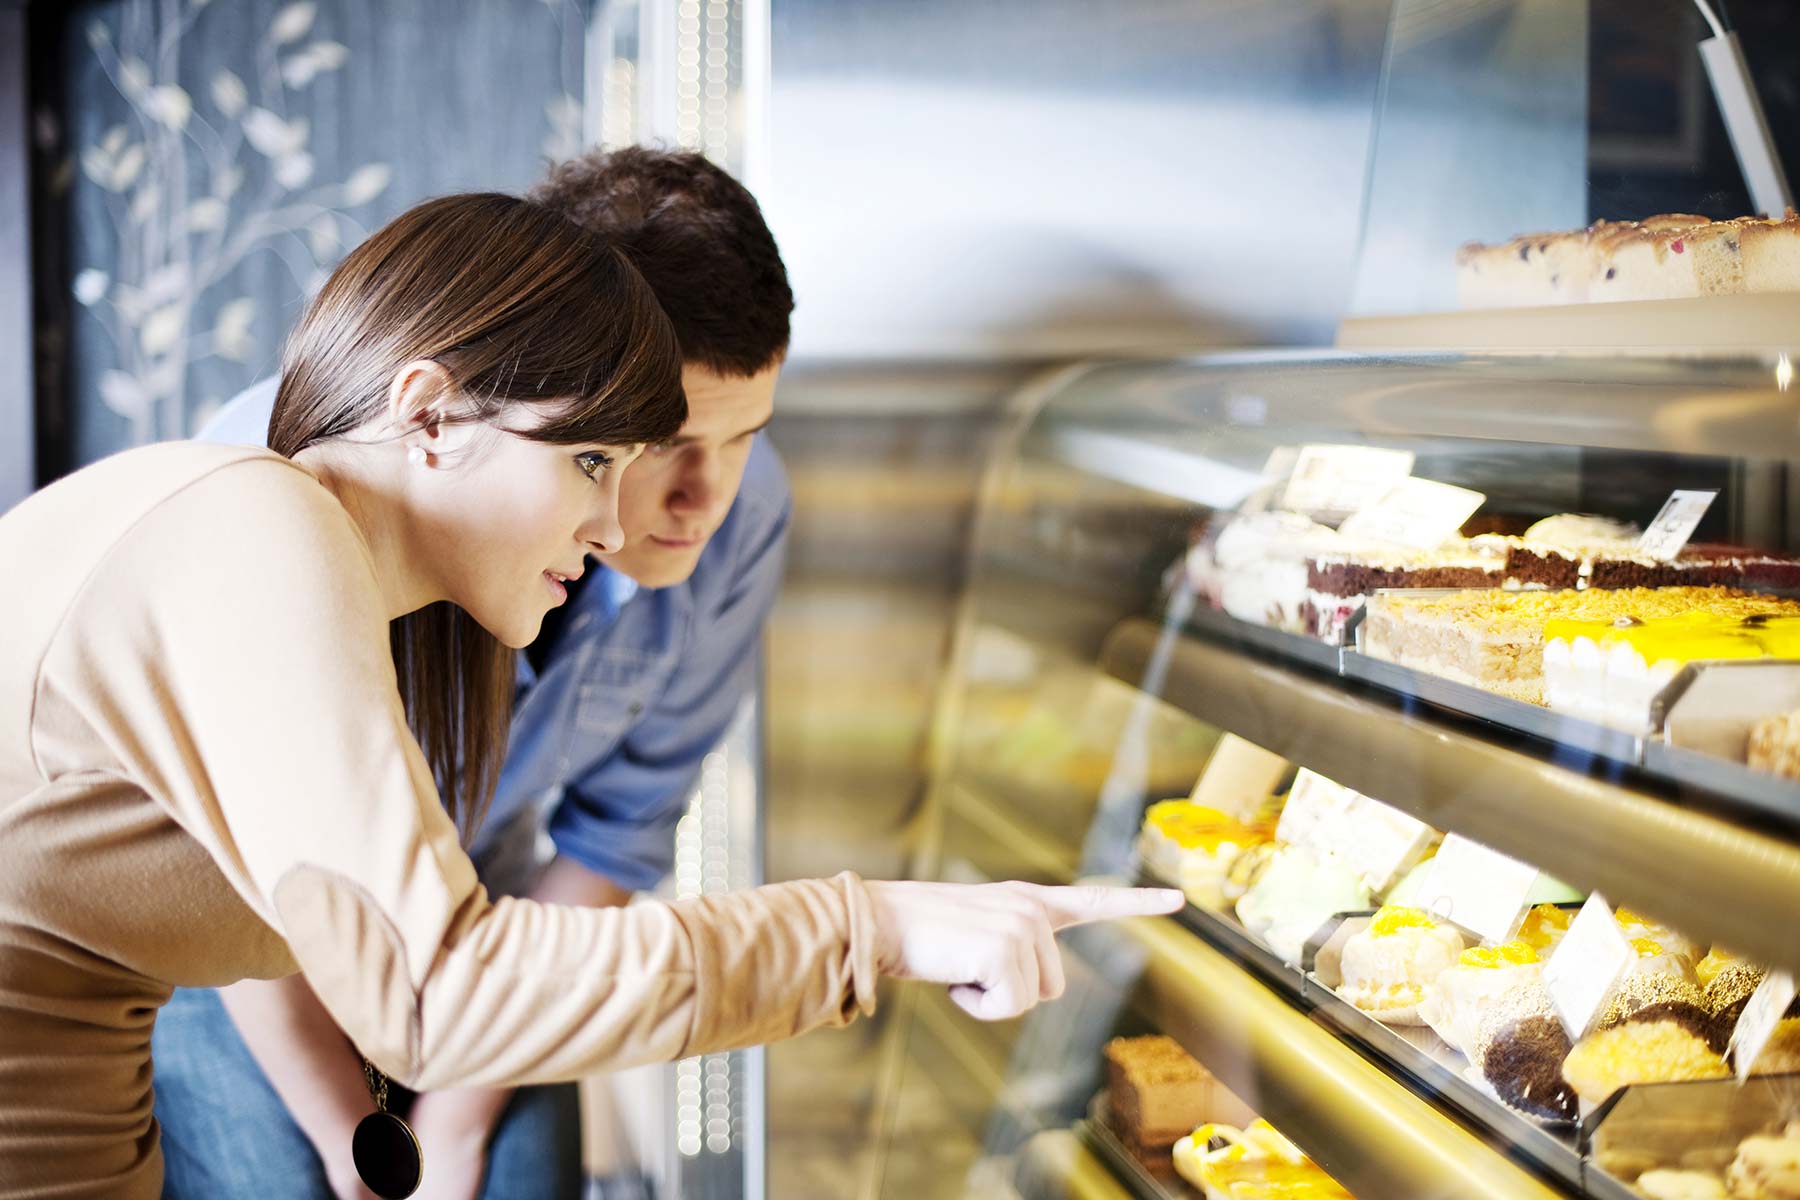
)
(1255, 1162)
(1194, 846)
(1636, 925)
(1729, 986)
(1544, 927)
(1519, 1049)
(1454, 1004)
(1659, 992)
(1388, 965)
(1767, 1168)
(1666, 1184)
(1295, 896)
(1661, 1049)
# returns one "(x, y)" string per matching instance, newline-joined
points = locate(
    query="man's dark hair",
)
(698, 238)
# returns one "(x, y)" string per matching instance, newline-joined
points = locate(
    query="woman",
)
(216, 662)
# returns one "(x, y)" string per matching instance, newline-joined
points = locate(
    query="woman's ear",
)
(426, 412)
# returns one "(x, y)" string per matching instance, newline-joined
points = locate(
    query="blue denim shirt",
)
(638, 685)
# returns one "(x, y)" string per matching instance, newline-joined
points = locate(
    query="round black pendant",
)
(387, 1156)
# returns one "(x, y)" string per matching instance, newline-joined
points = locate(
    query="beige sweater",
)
(206, 775)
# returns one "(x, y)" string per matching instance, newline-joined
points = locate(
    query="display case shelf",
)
(1551, 1152)
(1687, 866)
(1372, 1133)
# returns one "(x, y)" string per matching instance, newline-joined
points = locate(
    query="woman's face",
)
(515, 519)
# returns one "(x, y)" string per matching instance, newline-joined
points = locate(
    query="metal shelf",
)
(1363, 1126)
(1693, 869)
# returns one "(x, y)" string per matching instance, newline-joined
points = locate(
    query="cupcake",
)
(1388, 965)
(1454, 1004)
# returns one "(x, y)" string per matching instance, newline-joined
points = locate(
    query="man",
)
(629, 684)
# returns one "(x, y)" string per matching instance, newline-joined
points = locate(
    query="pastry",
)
(1638, 926)
(1519, 1049)
(1194, 847)
(1653, 1048)
(1545, 924)
(1495, 639)
(1156, 1093)
(1455, 1002)
(1667, 257)
(1255, 1163)
(1295, 896)
(1775, 744)
(1668, 1184)
(1388, 965)
(1767, 1167)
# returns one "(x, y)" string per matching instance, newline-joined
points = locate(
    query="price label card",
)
(1762, 1014)
(1239, 777)
(1342, 479)
(1316, 814)
(1379, 841)
(1479, 889)
(1675, 524)
(1415, 512)
(1275, 471)
(1587, 965)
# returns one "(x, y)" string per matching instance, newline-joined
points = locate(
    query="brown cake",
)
(1158, 1095)
(1520, 1050)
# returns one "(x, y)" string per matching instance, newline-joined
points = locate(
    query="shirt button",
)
(635, 709)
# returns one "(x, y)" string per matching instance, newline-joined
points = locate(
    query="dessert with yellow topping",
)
(1194, 847)
(1255, 1163)
(1388, 965)
(1639, 927)
(1455, 1002)
(1544, 927)
(1495, 639)
(1658, 1049)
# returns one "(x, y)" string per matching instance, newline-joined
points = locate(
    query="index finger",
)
(1080, 905)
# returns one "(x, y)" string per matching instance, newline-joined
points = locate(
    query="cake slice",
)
(1158, 1093)
(1529, 271)
(1666, 257)
(1771, 253)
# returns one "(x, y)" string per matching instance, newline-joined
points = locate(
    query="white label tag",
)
(1762, 1014)
(1587, 966)
(1274, 473)
(1316, 814)
(1415, 512)
(1343, 479)
(1239, 777)
(1379, 841)
(1675, 524)
(1479, 889)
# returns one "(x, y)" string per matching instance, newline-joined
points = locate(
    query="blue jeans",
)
(225, 1133)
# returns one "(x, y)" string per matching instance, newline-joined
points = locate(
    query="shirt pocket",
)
(613, 692)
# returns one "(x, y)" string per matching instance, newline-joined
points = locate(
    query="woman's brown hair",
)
(532, 317)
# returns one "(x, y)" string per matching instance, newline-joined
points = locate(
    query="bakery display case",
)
(1459, 694)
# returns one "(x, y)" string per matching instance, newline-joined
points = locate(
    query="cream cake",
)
(1454, 1003)
(1495, 639)
(1390, 963)
(1295, 895)
(1613, 671)
(1194, 847)
(1667, 257)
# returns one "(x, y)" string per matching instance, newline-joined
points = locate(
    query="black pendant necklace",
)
(384, 1148)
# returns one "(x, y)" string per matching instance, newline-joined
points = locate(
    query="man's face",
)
(676, 495)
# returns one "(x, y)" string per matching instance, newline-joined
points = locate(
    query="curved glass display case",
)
(1459, 694)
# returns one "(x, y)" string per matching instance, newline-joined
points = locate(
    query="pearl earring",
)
(415, 455)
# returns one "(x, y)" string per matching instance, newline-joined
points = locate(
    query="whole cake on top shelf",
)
(1667, 257)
